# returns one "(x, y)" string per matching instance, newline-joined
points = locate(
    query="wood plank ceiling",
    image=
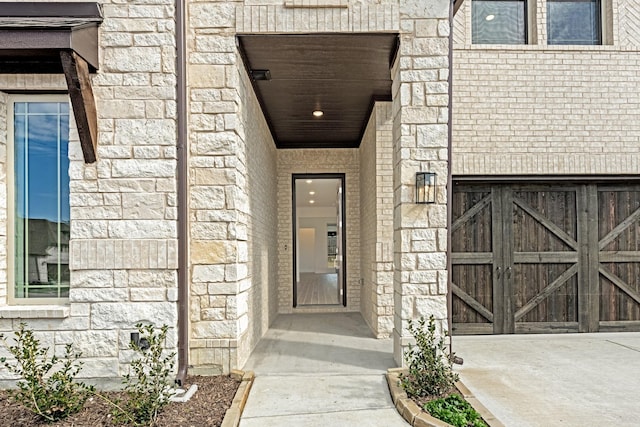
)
(339, 74)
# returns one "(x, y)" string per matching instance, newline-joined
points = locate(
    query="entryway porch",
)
(320, 369)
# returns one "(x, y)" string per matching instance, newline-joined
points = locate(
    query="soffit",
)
(340, 74)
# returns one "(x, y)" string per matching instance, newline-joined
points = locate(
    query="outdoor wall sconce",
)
(425, 187)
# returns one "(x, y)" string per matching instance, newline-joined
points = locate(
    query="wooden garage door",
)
(619, 257)
(545, 258)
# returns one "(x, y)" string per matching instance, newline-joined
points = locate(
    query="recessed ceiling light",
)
(312, 201)
(490, 17)
(309, 181)
(312, 192)
(318, 113)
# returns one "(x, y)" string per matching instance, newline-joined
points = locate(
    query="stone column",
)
(218, 198)
(420, 134)
(4, 99)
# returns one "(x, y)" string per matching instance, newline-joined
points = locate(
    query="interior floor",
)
(318, 289)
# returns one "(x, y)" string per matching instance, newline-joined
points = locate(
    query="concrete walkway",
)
(320, 370)
(555, 380)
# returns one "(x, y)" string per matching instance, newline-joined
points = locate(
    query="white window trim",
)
(57, 307)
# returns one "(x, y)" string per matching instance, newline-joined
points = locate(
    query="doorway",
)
(318, 240)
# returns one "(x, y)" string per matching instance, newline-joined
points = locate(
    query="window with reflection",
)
(574, 22)
(40, 202)
(499, 21)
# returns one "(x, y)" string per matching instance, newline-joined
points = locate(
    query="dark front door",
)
(319, 240)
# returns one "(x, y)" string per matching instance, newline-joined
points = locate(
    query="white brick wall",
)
(327, 16)
(262, 231)
(318, 161)
(547, 110)
(376, 221)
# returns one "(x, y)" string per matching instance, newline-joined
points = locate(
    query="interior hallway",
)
(320, 370)
(318, 289)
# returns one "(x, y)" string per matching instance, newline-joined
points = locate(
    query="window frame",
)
(528, 37)
(11, 193)
(601, 24)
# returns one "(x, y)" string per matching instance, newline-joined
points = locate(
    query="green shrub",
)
(455, 411)
(46, 386)
(429, 367)
(147, 386)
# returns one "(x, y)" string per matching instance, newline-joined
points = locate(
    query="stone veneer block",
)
(34, 312)
(113, 254)
(316, 4)
(299, 16)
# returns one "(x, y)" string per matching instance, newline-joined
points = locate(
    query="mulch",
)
(206, 408)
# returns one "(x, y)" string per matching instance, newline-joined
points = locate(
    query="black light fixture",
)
(425, 187)
(260, 75)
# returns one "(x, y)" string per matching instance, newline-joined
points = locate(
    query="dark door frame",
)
(343, 184)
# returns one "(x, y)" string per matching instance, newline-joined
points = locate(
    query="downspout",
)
(183, 202)
(450, 180)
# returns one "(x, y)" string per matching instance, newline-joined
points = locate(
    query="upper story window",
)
(499, 21)
(38, 188)
(576, 22)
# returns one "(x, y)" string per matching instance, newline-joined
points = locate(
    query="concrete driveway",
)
(555, 380)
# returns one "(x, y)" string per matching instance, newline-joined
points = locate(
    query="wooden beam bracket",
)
(456, 5)
(76, 72)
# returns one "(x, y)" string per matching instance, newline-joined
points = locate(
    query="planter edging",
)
(415, 416)
(232, 416)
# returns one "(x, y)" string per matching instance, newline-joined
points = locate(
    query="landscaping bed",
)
(411, 410)
(207, 407)
(428, 393)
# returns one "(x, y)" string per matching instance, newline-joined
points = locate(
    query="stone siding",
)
(3, 199)
(219, 202)
(547, 110)
(123, 207)
(420, 127)
(376, 221)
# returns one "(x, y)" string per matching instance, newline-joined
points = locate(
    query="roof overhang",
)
(32, 35)
(56, 38)
(337, 76)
